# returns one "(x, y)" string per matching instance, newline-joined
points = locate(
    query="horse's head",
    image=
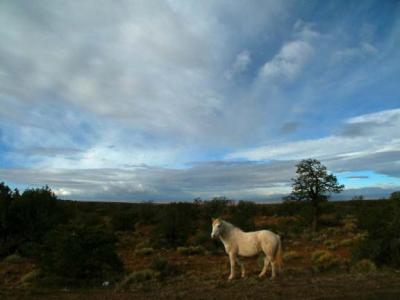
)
(216, 228)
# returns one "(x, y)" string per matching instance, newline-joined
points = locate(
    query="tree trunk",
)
(314, 224)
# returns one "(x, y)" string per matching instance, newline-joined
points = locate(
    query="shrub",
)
(13, 259)
(29, 278)
(165, 268)
(176, 223)
(382, 244)
(79, 252)
(243, 214)
(332, 231)
(147, 213)
(140, 276)
(192, 250)
(25, 219)
(395, 196)
(330, 244)
(124, 220)
(216, 207)
(345, 242)
(144, 251)
(324, 260)
(349, 223)
(364, 266)
(202, 237)
(291, 255)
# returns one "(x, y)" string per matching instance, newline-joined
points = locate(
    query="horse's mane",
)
(229, 226)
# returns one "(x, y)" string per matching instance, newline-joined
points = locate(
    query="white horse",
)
(248, 244)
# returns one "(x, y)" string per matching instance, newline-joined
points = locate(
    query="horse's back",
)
(269, 237)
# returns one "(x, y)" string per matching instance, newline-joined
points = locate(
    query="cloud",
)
(239, 180)
(153, 69)
(242, 61)
(378, 151)
(362, 51)
(288, 63)
(86, 89)
(233, 179)
(289, 127)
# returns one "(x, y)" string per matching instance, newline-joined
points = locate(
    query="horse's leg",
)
(267, 261)
(232, 260)
(273, 274)
(242, 269)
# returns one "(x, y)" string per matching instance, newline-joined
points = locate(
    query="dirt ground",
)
(333, 286)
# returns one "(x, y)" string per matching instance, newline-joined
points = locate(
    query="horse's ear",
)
(212, 220)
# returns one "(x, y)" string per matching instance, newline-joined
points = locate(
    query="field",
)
(316, 266)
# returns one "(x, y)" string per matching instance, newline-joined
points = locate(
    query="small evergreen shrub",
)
(191, 250)
(80, 253)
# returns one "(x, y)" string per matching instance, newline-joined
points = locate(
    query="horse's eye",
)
(219, 225)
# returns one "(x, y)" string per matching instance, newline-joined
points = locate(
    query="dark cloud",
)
(290, 127)
(49, 151)
(368, 128)
(242, 179)
(385, 162)
(367, 193)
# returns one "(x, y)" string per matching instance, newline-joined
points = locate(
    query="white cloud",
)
(288, 63)
(242, 61)
(362, 51)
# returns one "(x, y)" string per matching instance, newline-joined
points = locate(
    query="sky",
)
(173, 100)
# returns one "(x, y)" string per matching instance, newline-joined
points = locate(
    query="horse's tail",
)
(278, 256)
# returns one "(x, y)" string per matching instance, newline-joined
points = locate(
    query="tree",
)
(6, 198)
(395, 196)
(314, 184)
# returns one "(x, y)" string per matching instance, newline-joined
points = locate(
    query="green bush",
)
(216, 207)
(382, 243)
(291, 255)
(176, 222)
(324, 260)
(79, 252)
(144, 251)
(346, 242)
(124, 220)
(25, 219)
(139, 276)
(330, 244)
(243, 214)
(13, 259)
(147, 213)
(349, 223)
(165, 268)
(192, 250)
(29, 278)
(395, 196)
(364, 266)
